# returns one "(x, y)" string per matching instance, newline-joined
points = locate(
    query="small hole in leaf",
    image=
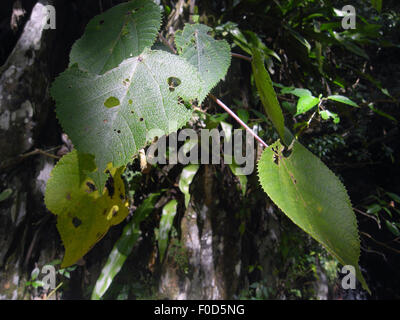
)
(141, 119)
(173, 83)
(276, 158)
(91, 186)
(118, 131)
(110, 186)
(180, 100)
(112, 102)
(76, 222)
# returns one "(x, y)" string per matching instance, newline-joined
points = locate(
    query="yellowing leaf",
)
(84, 214)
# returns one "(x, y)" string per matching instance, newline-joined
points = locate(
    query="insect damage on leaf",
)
(84, 215)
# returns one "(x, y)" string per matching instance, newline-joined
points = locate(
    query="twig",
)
(165, 41)
(191, 10)
(240, 56)
(234, 116)
(10, 162)
(53, 291)
(380, 243)
(39, 151)
(369, 216)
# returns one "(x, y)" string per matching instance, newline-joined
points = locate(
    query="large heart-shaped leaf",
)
(110, 116)
(121, 32)
(210, 57)
(84, 214)
(313, 198)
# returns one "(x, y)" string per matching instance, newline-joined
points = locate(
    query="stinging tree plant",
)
(116, 89)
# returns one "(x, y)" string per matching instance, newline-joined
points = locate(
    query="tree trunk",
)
(24, 105)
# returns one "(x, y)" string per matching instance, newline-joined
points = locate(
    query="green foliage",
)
(146, 102)
(122, 32)
(383, 206)
(167, 219)
(84, 214)
(209, 56)
(313, 198)
(5, 194)
(343, 99)
(123, 247)
(267, 93)
(186, 179)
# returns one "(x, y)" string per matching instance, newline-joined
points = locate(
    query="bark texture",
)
(24, 105)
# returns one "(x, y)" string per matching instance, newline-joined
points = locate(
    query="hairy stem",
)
(234, 116)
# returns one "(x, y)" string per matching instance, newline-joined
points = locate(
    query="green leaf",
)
(84, 214)
(121, 32)
(349, 45)
(5, 194)
(394, 196)
(142, 85)
(313, 198)
(123, 247)
(377, 4)
(392, 228)
(374, 208)
(209, 56)
(343, 99)
(306, 103)
(167, 219)
(267, 92)
(326, 114)
(299, 37)
(186, 179)
(382, 113)
(35, 273)
(299, 92)
(243, 114)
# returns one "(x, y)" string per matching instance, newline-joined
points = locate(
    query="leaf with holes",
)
(211, 57)
(313, 198)
(123, 247)
(84, 214)
(114, 115)
(122, 32)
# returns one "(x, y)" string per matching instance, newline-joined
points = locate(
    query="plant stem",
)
(234, 116)
(240, 56)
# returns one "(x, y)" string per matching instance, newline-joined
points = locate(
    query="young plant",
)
(117, 91)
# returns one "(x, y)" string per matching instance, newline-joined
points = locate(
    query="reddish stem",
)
(234, 116)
